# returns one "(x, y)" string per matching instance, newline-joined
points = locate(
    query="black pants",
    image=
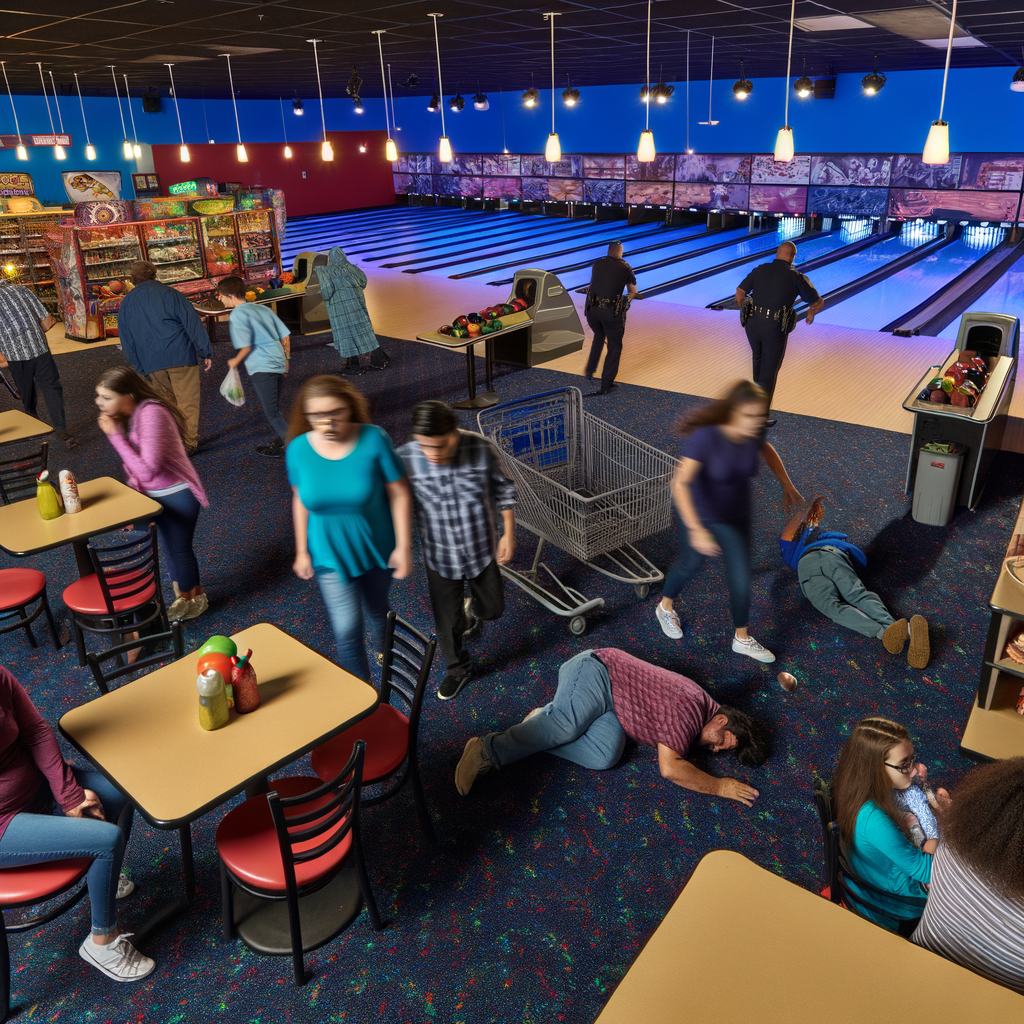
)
(268, 390)
(768, 346)
(32, 376)
(446, 596)
(606, 327)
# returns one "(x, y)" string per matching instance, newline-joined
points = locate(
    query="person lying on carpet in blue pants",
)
(607, 695)
(826, 565)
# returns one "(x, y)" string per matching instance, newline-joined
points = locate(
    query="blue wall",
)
(984, 116)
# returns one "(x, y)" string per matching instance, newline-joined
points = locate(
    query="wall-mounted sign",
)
(146, 185)
(16, 183)
(90, 186)
(13, 141)
(182, 188)
(196, 188)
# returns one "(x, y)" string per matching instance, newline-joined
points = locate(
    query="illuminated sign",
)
(182, 188)
(16, 183)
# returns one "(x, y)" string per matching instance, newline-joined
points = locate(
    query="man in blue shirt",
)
(164, 340)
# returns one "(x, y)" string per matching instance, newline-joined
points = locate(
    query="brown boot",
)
(896, 636)
(920, 650)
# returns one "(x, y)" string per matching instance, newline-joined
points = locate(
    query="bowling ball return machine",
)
(312, 309)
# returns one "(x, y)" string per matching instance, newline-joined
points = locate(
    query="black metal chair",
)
(20, 588)
(391, 736)
(290, 843)
(18, 473)
(838, 874)
(121, 668)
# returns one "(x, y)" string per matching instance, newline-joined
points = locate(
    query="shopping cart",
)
(584, 486)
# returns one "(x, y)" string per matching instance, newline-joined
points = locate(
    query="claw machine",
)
(173, 247)
(260, 249)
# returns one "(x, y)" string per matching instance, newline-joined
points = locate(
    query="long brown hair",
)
(861, 774)
(123, 380)
(984, 825)
(326, 385)
(743, 392)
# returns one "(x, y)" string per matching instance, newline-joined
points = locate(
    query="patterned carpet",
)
(548, 878)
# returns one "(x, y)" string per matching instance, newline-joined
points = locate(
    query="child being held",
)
(918, 801)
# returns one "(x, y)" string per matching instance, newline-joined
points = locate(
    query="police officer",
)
(774, 287)
(606, 312)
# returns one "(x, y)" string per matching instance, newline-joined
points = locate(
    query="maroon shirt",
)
(654, 705)
(28, 755)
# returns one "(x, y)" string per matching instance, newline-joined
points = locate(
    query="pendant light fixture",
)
(394, 120)
(243, 157)
(326, 149)
(284, 128)
(90, 150)
(803, 85)
(58, 150)
(297, 107)
(136, 149)
(553, 149)
(711, 83)
(126, 145)
(570, 96)
(444, 153)
(60, 117)
(936, 147)
(531, 95)
(183, 150)
(22, 152)
(480, 101)
(874, 82)
(645, 151)
(688, 150)
(744, 87)
(784, 140)
(1017, 85)
(390, 149)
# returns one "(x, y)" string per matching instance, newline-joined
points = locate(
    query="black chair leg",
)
(426, 822)
(5, 973)
(79, 641)
(27, 626)
(364, 888)
(51, 625)
(295, 926)
(227, 902)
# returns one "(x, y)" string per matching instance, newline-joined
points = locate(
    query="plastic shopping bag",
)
(231, 387)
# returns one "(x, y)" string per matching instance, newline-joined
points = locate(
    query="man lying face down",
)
(605, 696)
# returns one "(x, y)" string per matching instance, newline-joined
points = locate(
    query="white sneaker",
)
(119, 960)
(752, 649)
(669, 622)
(196, 607)
(125, 886)
(177, 609)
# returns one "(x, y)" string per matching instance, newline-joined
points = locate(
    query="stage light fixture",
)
(803, 85)
(530, 97)
(480, 101)
(297, 107)
(570, 96)
(456, 103)
(357, 102)
(744, 87)
(874, 82)
(663, 93)
(1017, 85)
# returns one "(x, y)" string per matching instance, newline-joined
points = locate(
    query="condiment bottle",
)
(213, 700)
(46, 497)
(243, 680)
(69, 491)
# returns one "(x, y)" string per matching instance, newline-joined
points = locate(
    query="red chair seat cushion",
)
(386, 735)
(18, 587)
(36, 882)
(247, 841)
(85, 596)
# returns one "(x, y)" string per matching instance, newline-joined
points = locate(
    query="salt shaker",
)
(69, 491)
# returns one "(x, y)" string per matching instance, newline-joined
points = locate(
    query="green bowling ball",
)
(219, 645)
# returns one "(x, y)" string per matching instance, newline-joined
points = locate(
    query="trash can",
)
(938, 478)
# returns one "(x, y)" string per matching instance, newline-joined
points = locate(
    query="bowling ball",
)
(947, 384)
(507, 309)
(939, 397)
(518, 305)
(474, 318)
(486, 328)
(497, 325)
(968, 353)
(961, 399)
(458, 331)
(957, 374)
(444, 329)
(218, 661)
(977, 378)
(461, 322)
(221, 644)
(474, 330)
(925, 396)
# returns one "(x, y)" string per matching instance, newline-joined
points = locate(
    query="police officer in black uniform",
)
(769, 318)
(606, 312)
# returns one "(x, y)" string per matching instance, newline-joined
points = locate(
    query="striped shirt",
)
(968, 922)
(21, 336)
(456, 505)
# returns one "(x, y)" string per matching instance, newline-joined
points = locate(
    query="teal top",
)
(350, 525)
(259, 328)
(885, 858)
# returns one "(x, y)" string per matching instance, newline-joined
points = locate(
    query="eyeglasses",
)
(904, 767)
(334, 416)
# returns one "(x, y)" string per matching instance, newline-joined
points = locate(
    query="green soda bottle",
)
(46, 497)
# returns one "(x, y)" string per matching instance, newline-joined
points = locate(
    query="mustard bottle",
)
(46, 497)
(213, 699)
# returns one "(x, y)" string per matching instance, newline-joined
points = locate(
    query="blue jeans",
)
(346, 601)
(734, 540)
(44, 833)
(176, 526)
(579, 724)
(268, 390)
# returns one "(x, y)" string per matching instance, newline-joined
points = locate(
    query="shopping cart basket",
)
(584, 486)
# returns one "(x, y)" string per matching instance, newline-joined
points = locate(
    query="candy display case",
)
(173, 247)
(220, 245)
(24, 257)
(259, 247)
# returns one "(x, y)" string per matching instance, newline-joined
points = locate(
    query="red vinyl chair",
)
(390, 735)
(122, 595)
(290, 843)
(18, 589)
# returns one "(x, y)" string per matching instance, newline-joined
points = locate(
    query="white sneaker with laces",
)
(752, 649)
(118, 960)
(125, 886)
(669, 622)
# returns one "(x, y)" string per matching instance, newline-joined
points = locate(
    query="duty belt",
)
(618, 305)
(785, 317)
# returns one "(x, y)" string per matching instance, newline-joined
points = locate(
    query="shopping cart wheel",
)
(642, 590)
(577, 625)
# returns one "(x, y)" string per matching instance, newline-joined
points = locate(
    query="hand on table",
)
(400, 563)
(733, 789)
(303, 566)
(89, 808)
(506, 549)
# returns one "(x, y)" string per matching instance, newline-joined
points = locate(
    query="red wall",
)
(352, 180)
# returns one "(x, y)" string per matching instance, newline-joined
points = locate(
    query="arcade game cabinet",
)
(554, 329)
(312, 312)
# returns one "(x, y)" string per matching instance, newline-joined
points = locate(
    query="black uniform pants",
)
(768, 347)
(32, 376)
(447, 596)
(607, 327)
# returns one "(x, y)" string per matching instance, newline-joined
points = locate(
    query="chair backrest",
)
(127, 570)
(408, 659)
(105, 677)
(327, 813)
(18, 473)
(829, 837)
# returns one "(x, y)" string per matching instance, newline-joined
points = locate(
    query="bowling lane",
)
(710, 289)
(1005, 296)
(898, 294)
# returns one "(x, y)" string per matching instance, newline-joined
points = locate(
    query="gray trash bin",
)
(935, 486)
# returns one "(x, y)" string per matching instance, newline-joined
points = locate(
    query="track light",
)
(412, 81)
(480, 99)
(354, 84)
(456, 103)
(744, 87)
(358, 103)
(530, 97)
(662, 92)
(803, 85)
(570, 96)
(435, 104)
(874, 82)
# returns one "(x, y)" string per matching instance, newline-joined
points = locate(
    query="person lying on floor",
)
(827, 566)
(603, 697)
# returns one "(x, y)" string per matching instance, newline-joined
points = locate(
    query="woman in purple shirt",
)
(711, 491)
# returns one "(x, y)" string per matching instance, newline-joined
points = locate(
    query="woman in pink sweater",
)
(146, 430)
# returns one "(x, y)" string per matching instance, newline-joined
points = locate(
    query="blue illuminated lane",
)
(1005, 296)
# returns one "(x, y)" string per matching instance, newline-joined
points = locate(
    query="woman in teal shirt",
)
(351, 509)
(878, 758)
